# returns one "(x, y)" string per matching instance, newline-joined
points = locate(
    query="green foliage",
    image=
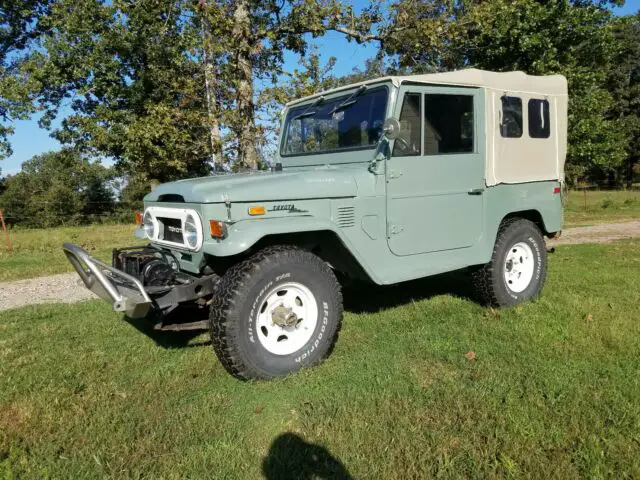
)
(166, 89)
(128, 72)
(57, 188)
(573, 38)
(624, 85)
(19, 27)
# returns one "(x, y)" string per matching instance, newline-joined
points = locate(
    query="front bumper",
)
(124, 292)
(127, 294)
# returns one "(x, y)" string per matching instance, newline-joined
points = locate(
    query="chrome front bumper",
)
(124, 292)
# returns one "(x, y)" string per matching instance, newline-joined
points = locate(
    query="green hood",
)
(326, 182)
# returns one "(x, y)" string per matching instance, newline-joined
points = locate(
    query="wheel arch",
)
(325, 243)
(532, 215)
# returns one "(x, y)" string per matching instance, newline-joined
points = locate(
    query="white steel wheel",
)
(519, 265)
(287, 318)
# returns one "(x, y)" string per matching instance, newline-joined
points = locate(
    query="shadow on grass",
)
(174, 339)
(290, 457)
(362, 298)
(365, 298)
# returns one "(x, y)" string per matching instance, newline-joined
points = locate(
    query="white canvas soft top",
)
(526, 158)
(473, 77)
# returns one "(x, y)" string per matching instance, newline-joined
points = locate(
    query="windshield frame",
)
(337, 97)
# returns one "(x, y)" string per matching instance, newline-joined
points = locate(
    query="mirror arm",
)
(382, 153)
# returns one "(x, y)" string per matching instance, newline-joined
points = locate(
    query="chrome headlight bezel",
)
(148, 225)
(190, 224)
(190, 231)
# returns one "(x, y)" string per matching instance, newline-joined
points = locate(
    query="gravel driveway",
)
(605, 233)
(63, 288)
(67, 288)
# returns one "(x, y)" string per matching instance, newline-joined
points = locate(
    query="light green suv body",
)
(384, 181)
(388, 220)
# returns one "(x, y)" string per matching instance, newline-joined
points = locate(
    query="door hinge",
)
(395, 229)
(394, 174)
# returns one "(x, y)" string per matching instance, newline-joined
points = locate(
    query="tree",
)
(159, 86)
(57, 188)
(573, 38)
(19, 27)
(130, 75)
(624, 85)
(252, 39)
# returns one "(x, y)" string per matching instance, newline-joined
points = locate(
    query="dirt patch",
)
(604, 233)
(13, 417)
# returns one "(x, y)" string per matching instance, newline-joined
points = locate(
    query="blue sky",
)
(30, 140)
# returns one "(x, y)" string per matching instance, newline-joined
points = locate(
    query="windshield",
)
(343, 123)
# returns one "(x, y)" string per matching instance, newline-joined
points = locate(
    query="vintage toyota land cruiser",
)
(384, 181)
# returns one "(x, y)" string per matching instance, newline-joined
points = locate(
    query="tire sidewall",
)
(524, 233)
(252, 349)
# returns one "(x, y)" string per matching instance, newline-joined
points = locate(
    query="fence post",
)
(6, 233)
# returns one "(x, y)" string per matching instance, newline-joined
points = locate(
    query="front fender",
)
(245, 234)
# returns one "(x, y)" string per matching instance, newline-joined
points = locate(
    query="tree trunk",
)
(212, 104)
(245, 120)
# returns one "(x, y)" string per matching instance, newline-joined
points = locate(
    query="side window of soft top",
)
(539, 123)
(511, 117)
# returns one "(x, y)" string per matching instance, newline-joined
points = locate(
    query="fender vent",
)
(345, 217)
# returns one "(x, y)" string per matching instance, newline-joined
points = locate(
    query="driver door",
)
(435, 176)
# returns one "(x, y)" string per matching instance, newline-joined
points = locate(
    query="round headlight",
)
(190, 231)
(148, 225)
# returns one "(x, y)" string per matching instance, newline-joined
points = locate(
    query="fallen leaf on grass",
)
(259, 409)
(492, 313)
(470, 355)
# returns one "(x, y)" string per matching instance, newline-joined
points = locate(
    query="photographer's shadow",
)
(292, 458)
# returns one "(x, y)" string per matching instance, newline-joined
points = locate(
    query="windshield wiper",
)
(349, 101)
(308, 112)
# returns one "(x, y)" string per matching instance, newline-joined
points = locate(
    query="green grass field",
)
(553, 391)
(39, 252)
(603, 206)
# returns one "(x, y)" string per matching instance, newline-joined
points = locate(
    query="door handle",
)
(476, 191)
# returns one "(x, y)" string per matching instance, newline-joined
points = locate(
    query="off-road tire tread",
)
(482, 277)
(229, 293)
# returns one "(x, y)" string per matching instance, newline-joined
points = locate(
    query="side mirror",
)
(391, 128)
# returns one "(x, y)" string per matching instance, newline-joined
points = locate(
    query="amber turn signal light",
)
(258, 210)
(139, 218)
(218, 229)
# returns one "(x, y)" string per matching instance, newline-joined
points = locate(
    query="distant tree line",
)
(170, 89)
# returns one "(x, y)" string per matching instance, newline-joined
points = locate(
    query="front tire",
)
(518, 266)
(275, 313)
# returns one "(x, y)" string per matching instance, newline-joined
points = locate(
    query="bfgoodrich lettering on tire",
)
(274, 313)
(518, 265)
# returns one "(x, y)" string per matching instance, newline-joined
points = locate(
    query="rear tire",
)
(275, 313)
(518, 266)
